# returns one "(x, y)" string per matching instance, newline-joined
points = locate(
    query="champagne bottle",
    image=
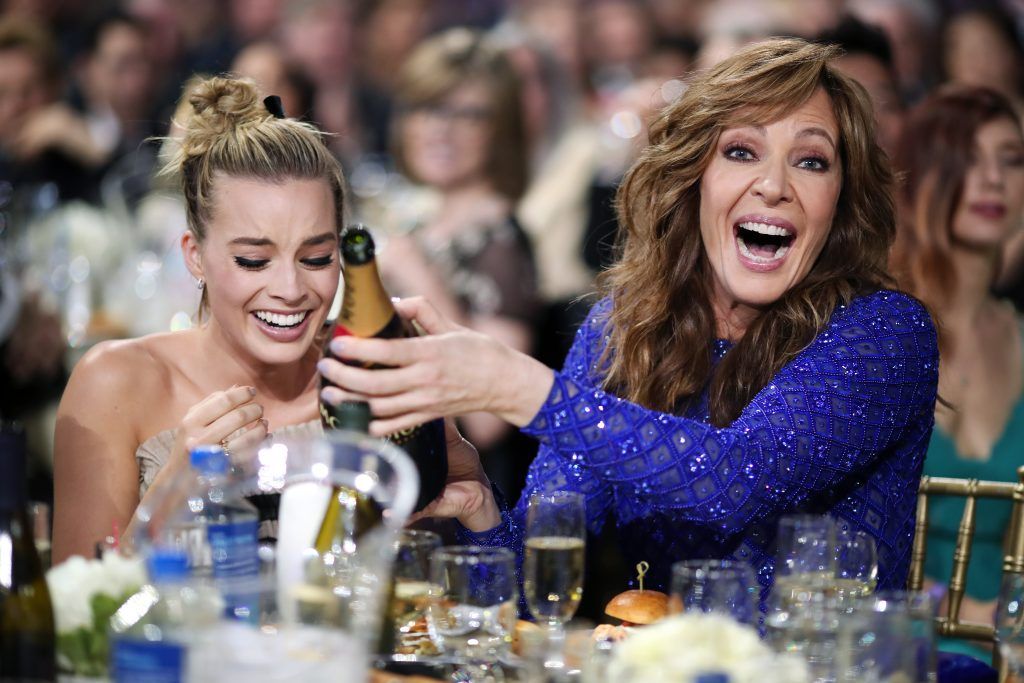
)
(27, 635)
(366, 311)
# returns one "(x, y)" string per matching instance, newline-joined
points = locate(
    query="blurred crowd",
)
(482, 141)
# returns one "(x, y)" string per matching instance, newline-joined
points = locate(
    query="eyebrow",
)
(813, 131)
(265, 242)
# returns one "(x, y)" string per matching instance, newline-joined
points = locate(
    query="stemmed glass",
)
(720, 586)
(856, 572)
(556, 531)
(471, 614)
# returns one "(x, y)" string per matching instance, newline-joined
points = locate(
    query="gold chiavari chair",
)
(949, 625)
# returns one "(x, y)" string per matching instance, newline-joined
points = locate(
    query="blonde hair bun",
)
(220, 105)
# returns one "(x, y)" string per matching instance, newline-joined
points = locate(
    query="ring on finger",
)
(227, 450)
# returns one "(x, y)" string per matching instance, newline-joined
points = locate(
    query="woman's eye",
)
(250, 264)
(814, 163)
(739, 153)
(319, 262)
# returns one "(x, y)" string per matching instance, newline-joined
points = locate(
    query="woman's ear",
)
(193, 259)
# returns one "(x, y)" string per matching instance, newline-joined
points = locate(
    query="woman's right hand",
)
(231, 418)
(467, 494)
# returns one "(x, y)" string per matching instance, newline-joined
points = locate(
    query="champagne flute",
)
(471, 614)
(556, 531)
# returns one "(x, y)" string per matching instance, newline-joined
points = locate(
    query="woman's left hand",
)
(450, 372)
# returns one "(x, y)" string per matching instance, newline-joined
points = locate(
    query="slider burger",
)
(633, 608)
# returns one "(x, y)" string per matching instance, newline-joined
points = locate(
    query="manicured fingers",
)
(233, 421)
(242, 448)
(425, 314)
(379, 382)
(219, 403)
(390, 352)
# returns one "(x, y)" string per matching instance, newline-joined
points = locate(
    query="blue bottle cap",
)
(209, 459)
(167, 564)
(714, 677)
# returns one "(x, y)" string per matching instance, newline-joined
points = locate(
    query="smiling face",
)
(447, 144)
(993, 196)
(270, 265)
(767, 200)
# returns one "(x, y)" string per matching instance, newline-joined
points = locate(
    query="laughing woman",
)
(264, 203)
(747, 360)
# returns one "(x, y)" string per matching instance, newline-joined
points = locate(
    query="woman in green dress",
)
(963, 199)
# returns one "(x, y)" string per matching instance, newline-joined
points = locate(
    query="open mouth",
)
(762, 242)
(282, 320)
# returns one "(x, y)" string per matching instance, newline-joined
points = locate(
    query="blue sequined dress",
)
(841, 429)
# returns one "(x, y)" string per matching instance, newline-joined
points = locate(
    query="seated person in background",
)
(748, 359)
(264, 201)
(963, 200)
(460, 135)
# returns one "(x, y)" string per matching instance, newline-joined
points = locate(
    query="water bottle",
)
(218, 529)
(152, 630)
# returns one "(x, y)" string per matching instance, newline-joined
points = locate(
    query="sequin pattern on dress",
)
(842, 429)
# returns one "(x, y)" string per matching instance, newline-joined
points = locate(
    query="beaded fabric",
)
(842, 429)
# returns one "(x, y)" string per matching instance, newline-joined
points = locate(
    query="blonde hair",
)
(662, 325)
(230, 132)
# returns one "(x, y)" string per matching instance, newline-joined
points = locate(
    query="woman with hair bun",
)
(748, 359)
(265, 203)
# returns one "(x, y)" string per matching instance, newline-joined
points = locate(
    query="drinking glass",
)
(471, 614)
(40, 516)
(856, 571)
(556, 530)
(721, 586)
(410, 591)
(805, 558)
(889, 636)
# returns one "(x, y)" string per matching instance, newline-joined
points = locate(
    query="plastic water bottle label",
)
(235, 549)
(141, 661)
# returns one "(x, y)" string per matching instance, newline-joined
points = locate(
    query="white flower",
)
(73, 584)
(681, 647)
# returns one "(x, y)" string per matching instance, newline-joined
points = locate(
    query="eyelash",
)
(823, 163)
(257, 264)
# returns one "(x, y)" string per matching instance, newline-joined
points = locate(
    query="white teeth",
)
(745, 250)
(281, 320)
(766, 229)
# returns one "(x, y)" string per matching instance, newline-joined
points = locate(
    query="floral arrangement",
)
(85, 594)
(685, 646)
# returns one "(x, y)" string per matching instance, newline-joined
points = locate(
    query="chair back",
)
(949, 624)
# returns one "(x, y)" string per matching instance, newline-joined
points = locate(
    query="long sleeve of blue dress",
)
(842, 429)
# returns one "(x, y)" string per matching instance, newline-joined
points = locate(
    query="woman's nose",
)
(773, 184)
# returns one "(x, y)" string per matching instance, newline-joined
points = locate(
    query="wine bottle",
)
(27, 636)
(366, 311)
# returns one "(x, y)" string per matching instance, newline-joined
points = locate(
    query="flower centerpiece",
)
(85, 594)
(686, 646)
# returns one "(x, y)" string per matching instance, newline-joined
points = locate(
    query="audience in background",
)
(962, 200)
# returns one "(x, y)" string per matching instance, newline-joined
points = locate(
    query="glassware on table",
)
(805, 560)
(889, 636)
(41, 525)
(410, 592)
(471, 615)
(556, 531)
(856, 572)
(720, 586)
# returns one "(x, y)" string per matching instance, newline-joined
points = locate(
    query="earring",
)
(200, 284)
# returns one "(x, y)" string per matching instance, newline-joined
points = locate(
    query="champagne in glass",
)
(556, 530)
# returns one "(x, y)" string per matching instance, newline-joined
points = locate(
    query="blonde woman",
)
(264, 202)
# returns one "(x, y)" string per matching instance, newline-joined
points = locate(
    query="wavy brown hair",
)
(661, 321)
(935, 156)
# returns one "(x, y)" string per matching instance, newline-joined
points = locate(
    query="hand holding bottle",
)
(451, 371)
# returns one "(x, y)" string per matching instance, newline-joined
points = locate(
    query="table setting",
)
(395, 604)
